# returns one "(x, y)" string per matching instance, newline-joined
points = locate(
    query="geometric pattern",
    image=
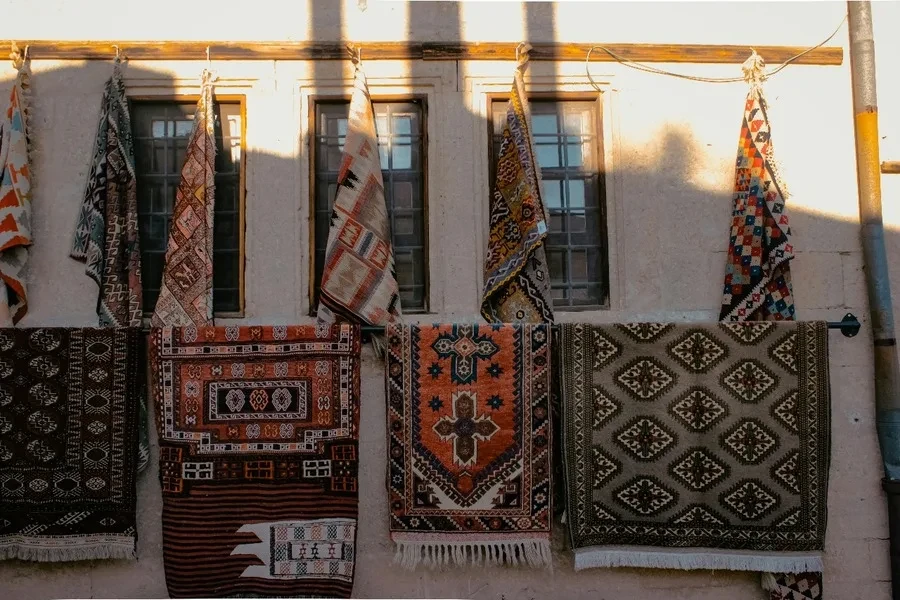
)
(797, 586)
(15, 198)
(516, 274)
(757, 273)
(470, 462)
(259, 452)
(68, 442)
(185, 295)
(358, 280)
(700, 439)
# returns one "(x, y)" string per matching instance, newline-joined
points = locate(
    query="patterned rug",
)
(697, 446)
(15, 200)
(517, 282)
(106, 235)
(185, 297)
(358, 281)
(68, 443)
(788, 586)
(469, 443)
(258, 459)
(758, 275)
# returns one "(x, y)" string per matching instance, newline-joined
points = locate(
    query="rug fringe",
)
(694, 559)
(531, 553)
(104, 551)
(768, 582)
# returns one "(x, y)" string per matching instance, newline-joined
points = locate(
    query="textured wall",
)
(670, 147)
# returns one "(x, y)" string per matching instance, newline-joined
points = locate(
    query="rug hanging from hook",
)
(15, 199)
(185, 297)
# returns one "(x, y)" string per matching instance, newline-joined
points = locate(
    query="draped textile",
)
(259, 453)
(185, 296)
(68, 442)
(15, 201)
(757, 273)
(359, 282)
(469, 443)
(517, 281)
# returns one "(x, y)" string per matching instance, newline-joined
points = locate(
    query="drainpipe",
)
(868, 175)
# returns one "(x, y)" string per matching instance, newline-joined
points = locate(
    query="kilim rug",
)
(68, 443)
(106, 235)
(185, 297)
(517, 281)
(469, 443)
(788, 586)
(697, 446)
(258, 459)
(757, 272)
(15, 200)
(358, 281)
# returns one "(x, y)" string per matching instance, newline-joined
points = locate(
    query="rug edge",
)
(698, 559)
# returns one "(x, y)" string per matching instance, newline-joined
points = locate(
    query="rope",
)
(757, 71)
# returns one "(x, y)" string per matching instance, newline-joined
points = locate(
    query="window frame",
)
(599, 149)
(314, 100)
(241, 101)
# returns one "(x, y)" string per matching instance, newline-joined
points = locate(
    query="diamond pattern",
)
(787, 472)
(749, 441)
(605, 467)
(698, 351)
(785, 411)
(698, 469)
(645, 496)
(749, 381)
(645, 332)
(750, 500)
(784, 352)
(697, 515)
(645, 378)
(748, 332)
(605, 349)
(698, 409)
(797, 586)
(605, 407)
(645, 438)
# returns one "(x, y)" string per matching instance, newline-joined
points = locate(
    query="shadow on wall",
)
(671, 239)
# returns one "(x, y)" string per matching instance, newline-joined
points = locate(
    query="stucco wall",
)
(670, 147)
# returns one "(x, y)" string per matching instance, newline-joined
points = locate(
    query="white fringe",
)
(531, 553)
(67, 553)
(699, 558)
(768, 582)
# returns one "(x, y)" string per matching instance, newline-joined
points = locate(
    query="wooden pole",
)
(659, 53)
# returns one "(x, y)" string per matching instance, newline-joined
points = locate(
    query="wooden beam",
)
(891, 167)
(668, 53)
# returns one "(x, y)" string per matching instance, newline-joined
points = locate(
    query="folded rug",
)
(258, 458)
(68, 443)
(469, 443)
(697, 446)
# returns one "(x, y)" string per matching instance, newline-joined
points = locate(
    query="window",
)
(161, 130)
(401, 144)
(568, 143)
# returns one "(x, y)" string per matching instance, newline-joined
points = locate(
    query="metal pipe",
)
(868, 176)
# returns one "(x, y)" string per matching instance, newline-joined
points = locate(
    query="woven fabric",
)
(469, 443)
(68, 443)
(757, 273)
(106, 235)
(697, 446)
(802, 586)
(15, 202)
(517, 281)
(358, 280)
(185, 296)
(258, 459)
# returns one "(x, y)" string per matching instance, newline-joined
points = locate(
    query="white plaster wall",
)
(670, 147)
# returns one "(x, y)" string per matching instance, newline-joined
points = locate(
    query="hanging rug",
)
(469, 443)
(68, 443)
(696, 446)
(258, 458)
